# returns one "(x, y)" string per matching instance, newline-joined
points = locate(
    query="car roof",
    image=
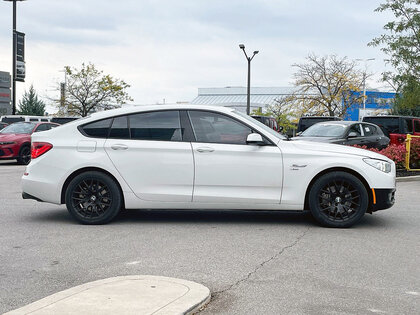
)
(391, 116)
(144, 108)
(344, 122)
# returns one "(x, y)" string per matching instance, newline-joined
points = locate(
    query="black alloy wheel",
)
(93, 198)
(24, 155)
(338, 199)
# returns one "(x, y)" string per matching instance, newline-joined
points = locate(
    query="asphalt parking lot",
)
(253, 262)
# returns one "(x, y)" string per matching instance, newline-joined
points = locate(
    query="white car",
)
(200, 157)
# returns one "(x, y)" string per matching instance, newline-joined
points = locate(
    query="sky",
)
(167, 49)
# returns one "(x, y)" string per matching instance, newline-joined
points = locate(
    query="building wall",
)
(376, 103)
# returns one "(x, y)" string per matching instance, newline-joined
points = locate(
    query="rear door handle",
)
(119, 147)
(205, 149)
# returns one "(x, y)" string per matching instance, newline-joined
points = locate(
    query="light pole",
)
(364, 80)
(249, 59)
(14, 57)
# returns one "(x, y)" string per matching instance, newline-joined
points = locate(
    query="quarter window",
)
(216, 128)
(162, 125)
(98, 129)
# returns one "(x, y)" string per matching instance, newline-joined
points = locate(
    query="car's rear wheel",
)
(24, 155)
(338, 199)
(93, 198)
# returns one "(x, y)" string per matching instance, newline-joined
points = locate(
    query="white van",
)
(10, 119)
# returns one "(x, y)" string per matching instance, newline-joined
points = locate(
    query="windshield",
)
(324, 130)
(19, 128)
(261, 125)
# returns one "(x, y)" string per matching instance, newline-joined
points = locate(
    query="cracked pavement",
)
(253, 262)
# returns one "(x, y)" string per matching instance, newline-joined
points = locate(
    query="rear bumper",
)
(385, 198)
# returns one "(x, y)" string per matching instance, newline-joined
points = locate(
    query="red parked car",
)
(396, 127)
(15, 140)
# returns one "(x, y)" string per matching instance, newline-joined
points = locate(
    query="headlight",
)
(9, 142)
(380, 165)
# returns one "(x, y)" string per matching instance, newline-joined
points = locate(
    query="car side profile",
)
(200, 157)
(15, 140)
(346, 132)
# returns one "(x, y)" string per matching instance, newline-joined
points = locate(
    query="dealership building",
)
(260, 97)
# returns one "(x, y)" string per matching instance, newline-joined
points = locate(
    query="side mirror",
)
(255, 138)
(352, 135)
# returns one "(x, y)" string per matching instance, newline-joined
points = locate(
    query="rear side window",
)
(33, 119)
(369, 130)
(119, 128)
(162, 125)
(97, 129)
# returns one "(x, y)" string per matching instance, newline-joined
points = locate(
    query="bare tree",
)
(327, 85)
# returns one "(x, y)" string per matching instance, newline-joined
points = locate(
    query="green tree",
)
(408, 101)
(327, 85)
(402, 44)
(401, 41)
(31, 104)
(89, 90)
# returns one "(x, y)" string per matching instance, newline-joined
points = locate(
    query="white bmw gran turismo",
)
(200, 157)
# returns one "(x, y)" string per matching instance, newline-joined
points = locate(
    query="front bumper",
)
(383, 199)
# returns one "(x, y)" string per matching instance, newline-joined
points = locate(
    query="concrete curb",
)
(408, 178)
(124, 295)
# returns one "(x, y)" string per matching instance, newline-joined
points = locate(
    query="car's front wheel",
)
(93, 198)
(338, 199)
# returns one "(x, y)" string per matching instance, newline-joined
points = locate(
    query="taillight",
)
(39, 148)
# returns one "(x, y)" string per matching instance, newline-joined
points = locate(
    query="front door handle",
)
(205, 149)
(119, 147)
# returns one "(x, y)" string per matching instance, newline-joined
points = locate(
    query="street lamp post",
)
(364, 80)
(249, 59)
(14, 57)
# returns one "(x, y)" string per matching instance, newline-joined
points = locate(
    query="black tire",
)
(24, 155)
(338, 199)
(93, 198)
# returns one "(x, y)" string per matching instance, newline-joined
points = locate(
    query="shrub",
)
(397, 152)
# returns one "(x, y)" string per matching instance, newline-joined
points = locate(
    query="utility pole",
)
(249, 59)
(14, 57)
(364, 79)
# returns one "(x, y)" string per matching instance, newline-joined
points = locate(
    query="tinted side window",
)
(162, 125)
(369, 130)
(119, 128)
(33, 119)
(98, 129)
(417, 126)
(216, 128)
(356, 129)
